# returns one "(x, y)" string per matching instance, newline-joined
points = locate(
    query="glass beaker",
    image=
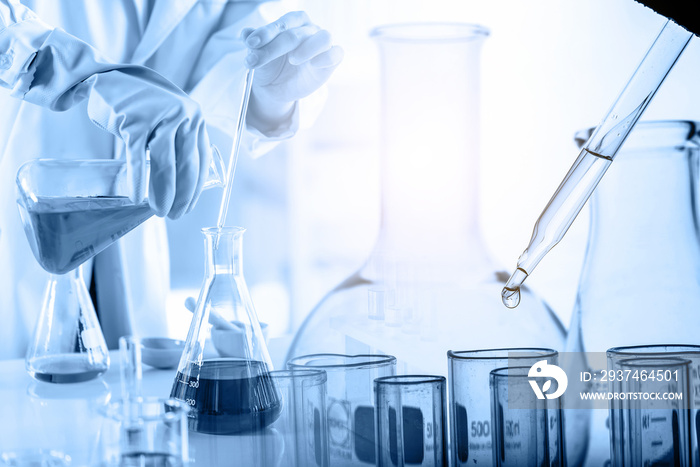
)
(665, 354)
(648, 431)
(470, 396)
(429, 278)
(224, 374)
(526, 430)
(68, 345)
(640, 282)
(303, 424)
(411, 420)
(349, 402)
(73, 209)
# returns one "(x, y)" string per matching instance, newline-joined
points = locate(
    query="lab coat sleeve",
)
(50, 67)
(21, 35)
(61, 69)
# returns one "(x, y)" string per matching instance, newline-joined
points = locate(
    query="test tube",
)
(411, 420)
(470, 414)
(620, 359)
(527, 431)
(349, 402)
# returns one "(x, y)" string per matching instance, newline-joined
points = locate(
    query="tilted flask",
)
(73, 209)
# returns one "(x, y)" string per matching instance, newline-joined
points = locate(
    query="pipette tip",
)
(510, 295)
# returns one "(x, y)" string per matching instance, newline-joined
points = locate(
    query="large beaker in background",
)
(429, 285)
(640, 282)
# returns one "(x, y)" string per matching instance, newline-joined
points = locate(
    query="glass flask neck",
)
(430, 143)
(67, 283)
(224, 251)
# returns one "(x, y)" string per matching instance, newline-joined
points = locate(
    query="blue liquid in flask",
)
(228, 396)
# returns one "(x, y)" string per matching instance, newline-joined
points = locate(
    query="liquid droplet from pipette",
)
(510, 297)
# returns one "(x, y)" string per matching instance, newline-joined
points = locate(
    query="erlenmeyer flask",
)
(429, 285)
(640, 282)
(224, 370)
(73, 209)
(68, 345)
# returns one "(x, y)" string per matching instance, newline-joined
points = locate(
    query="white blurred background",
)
(311, 207)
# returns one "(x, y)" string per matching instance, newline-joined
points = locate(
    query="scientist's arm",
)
(53, 69)
(21, 35)
(292, 58)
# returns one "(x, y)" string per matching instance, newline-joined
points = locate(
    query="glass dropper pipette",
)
(597, 154)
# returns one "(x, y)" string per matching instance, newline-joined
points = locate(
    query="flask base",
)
(228, 396)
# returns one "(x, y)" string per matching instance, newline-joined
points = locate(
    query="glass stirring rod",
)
(223, 209)
(597, 154)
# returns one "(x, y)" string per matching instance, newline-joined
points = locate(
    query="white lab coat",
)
(196, 45)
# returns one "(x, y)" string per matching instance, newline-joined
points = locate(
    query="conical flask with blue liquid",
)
(224, 371)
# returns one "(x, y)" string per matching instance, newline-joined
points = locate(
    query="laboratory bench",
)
(66, 417)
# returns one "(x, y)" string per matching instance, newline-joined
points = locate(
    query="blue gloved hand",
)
(136, 104)
(149, 113)
(292, 58)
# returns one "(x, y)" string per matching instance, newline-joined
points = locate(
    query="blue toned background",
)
(311, 207)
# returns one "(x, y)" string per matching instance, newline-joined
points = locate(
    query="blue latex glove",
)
(292, 58)
(159, 117)
(134, 103)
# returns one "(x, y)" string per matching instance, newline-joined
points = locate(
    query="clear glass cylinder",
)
(68, 345)
(411, 420)
(224, 372)
(666, 431)
(526, 431)
(429, 284)
(640, 282)
(471, 426)
(651, 431)
(349, 402)
(303, 424)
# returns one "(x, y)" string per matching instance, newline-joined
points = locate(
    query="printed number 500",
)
(481, 429)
